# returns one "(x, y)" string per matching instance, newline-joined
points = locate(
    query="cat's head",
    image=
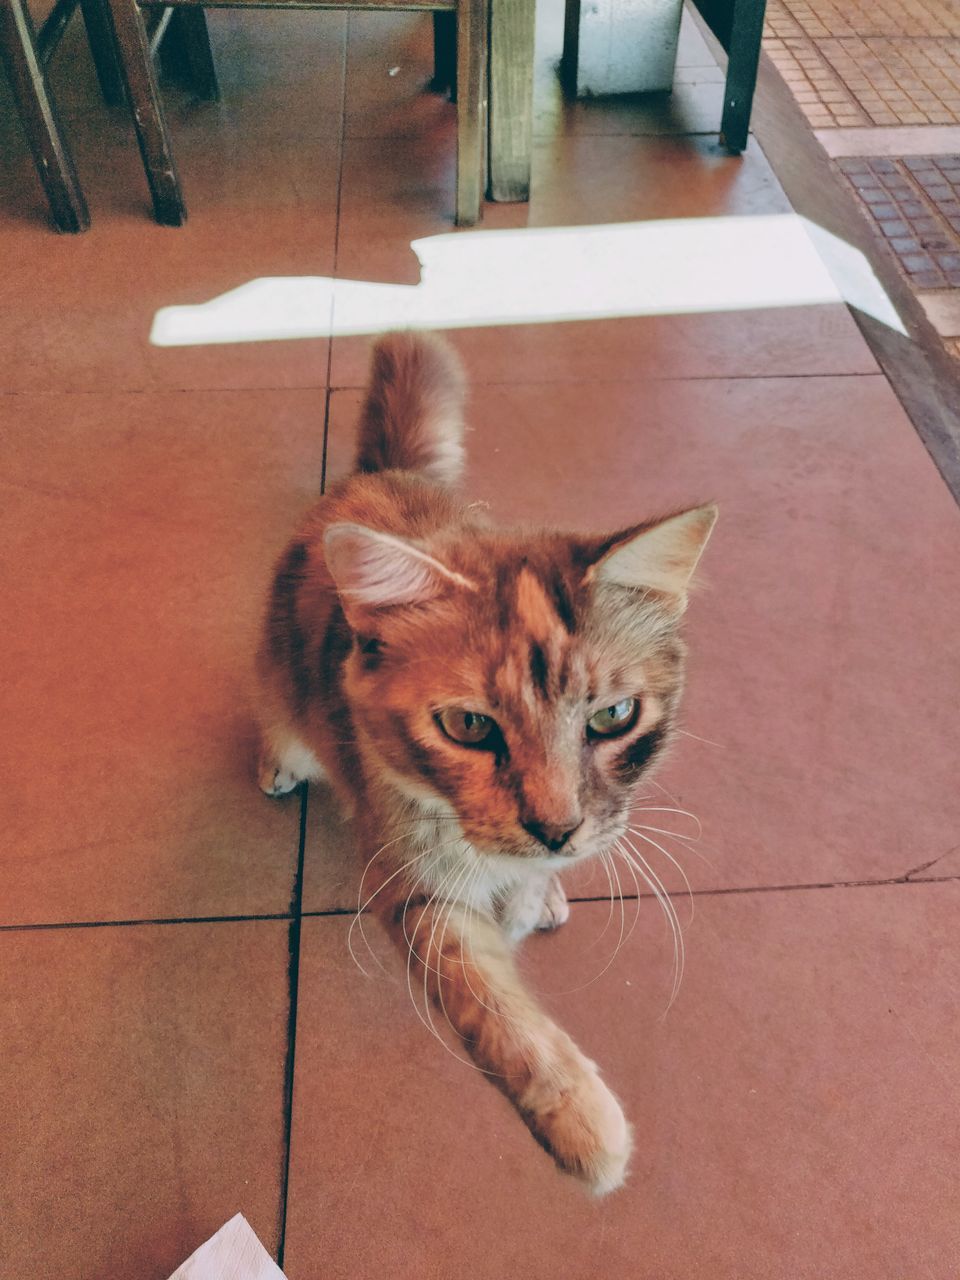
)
(524, 683)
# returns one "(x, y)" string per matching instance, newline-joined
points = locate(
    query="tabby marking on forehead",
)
(548, 635)
(534, 609)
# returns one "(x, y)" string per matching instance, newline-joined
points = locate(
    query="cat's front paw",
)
(274, 781)
(556, 909)
(587, 1133)
(533, 905)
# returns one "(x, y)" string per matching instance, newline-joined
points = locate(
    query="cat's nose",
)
(553, 834)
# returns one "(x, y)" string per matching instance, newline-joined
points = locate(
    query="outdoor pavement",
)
(880, 85)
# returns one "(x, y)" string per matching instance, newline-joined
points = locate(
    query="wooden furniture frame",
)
(130, 29)
(26, 54)
(510, 107)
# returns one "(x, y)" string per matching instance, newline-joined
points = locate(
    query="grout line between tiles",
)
(911, 877)
(326, 441)
(136, 923)
(342, 146)
(545, 137)
(678, 377)
(525, 382)
(296, 906)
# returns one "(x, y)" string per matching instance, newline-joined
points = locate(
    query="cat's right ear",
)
(657, 557)
(374, 570)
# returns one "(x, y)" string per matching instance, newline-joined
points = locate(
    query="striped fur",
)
(395, 601)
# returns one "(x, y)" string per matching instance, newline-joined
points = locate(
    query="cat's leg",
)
(285, 762)
(467, 966)
(535, 902)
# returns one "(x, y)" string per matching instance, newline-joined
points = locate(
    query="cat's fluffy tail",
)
(412, 418)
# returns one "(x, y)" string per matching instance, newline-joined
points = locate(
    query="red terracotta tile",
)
(790, 341)
(580, 180)
(784, 1124)
(138, 538)
(940, 868)
(395, 190)
(281, 71)
(261, 202)
(691, 108)
(390, 64)
(398, 190)
(389, 67)
(829, 741)
(141, 1096)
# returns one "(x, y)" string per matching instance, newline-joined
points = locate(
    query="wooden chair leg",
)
(444, 53)
(153, 137)
(512, 30)
(100, 38)
(188, 40)
(471, 107)
(31, 94)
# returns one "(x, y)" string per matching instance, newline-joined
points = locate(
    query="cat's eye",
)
(612, 721)
(469, 728)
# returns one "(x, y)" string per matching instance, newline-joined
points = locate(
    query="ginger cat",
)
(485, 703)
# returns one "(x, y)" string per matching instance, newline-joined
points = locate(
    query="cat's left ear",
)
(375, 570)
(659, 557)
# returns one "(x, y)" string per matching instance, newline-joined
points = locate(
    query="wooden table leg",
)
(143, 95)
(100, 38)
(28, 83)
(444, 53)
(471, 107)
(512, 29)
(188, 27)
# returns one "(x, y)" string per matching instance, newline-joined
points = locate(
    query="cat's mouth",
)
(538, 854)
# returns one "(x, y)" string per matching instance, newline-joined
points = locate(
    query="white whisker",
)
(666, 905)
(472, 913)
(638, 831)
(636, 913)
(606, 867)
(663, 808)
(357, 919)
(687, 734)
(660, 787)
(428, 1021)
(620, 941)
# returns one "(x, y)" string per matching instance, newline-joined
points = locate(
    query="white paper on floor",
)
(234, 1253)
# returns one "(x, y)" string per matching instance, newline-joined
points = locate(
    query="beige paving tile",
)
(943, 311)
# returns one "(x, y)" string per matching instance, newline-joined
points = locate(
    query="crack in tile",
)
(925, 866)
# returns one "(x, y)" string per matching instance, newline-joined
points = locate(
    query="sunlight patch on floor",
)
(537, 276)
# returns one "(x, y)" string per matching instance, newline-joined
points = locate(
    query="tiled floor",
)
(883, 65)
(184, 1033)
(913, 203)
(881, 85)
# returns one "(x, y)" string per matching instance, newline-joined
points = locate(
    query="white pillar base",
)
(620, 46)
